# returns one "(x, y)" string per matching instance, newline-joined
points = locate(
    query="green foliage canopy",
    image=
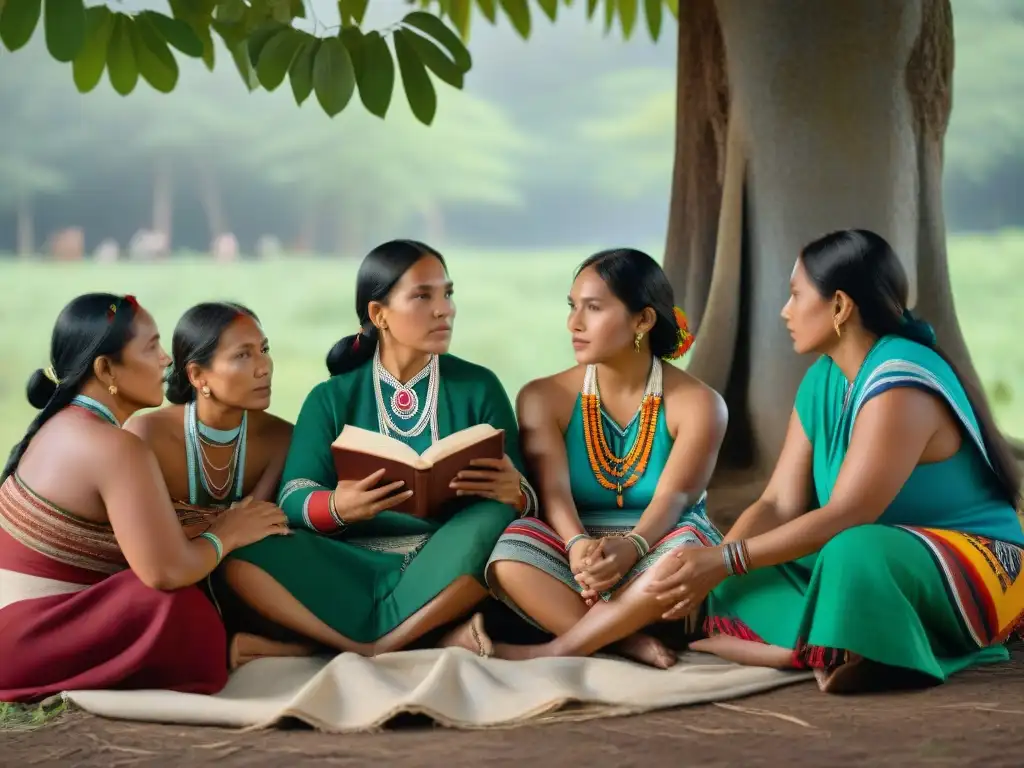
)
(268, 46)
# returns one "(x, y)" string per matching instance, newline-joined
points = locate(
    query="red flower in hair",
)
(684, 339)
(131, 301)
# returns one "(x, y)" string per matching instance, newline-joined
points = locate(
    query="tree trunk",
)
(213, 206)
(702, 104)
(26, 229)
(836, 111)
(163, 199)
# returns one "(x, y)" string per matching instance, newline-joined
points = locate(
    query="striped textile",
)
(531, 541)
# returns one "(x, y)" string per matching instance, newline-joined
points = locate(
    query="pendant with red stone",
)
(404, 403)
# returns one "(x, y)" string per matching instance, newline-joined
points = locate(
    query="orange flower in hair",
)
(685, 338)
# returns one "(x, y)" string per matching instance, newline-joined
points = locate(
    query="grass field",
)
(511, 313)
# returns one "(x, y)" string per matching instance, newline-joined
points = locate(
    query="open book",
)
(359, 453)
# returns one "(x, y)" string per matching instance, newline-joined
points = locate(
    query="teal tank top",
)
(587, 492)
(958, 494)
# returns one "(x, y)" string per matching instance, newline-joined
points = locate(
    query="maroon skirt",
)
(114, 632)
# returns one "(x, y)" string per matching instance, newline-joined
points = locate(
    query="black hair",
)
(87, 328)
(864, 266)
(382, 268)
(195, 340)
(638, 281)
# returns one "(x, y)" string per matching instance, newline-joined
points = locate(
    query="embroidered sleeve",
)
(309, 476)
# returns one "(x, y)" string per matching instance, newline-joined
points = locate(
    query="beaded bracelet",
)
(217, 544)
(736, 557)
(577, 538)
(642, 547)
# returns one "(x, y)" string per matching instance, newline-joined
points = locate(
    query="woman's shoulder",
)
(554, 393)
(457, 368)
(269, 426)
(157, 425)
(684, 392)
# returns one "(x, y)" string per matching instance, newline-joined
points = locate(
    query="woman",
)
(621, 470)
(902, 566)
(357, 576)
(216, 444)
(96, 576)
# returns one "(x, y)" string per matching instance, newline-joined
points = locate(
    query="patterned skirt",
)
(931, 601)
(535, 543)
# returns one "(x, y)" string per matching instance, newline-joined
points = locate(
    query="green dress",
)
(368, 579)
(533, 542)
(932, 586)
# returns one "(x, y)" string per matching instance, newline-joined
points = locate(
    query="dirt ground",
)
(975, 719)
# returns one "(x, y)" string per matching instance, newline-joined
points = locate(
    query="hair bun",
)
(40, 389)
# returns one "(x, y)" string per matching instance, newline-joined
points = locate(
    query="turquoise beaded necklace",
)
(195, 434)
(96, 408)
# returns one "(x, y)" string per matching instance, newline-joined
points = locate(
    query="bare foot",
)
(647, 650)
(245, 648)
(472, 636)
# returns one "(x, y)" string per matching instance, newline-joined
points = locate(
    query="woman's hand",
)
(358, 500)
(247, 522)
(605, 566)
(496, 479)
(580, 553)
(683, 578)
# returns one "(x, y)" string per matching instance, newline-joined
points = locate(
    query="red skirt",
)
(116, 633)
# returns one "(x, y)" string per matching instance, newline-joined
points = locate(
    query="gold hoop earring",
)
(835, 322)
(636, 341)
(112, 389)
(205, 390)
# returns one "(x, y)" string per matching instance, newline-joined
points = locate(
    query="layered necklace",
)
(613, 472)
(405, 403)
(198, 438)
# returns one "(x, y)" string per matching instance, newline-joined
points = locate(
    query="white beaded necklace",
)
(404, 400)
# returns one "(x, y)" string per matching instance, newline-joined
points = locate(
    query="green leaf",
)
(518, 13)
(298, 8)
(442, 33)
(230, 10)
(209, 49)
(177, 33)
(18, 21)
(419, 89)
(460, 12)
(673, 7)
(260, 36)
(352, 11)
(375, 74)
(300, 74)
(550, 8)
(277, 56)
(240, 55)
(121, 66)
(591, 7)
(64, 25)
(91, 60)
(157, 64)
(489, 8)
(609, 15)
(627, 15)
(431, 55)
(334, 78)
(652, 10)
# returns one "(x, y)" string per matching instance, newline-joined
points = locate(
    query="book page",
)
(375, 444)
(456, 441)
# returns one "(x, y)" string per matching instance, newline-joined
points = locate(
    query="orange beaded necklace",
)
(610, 471)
